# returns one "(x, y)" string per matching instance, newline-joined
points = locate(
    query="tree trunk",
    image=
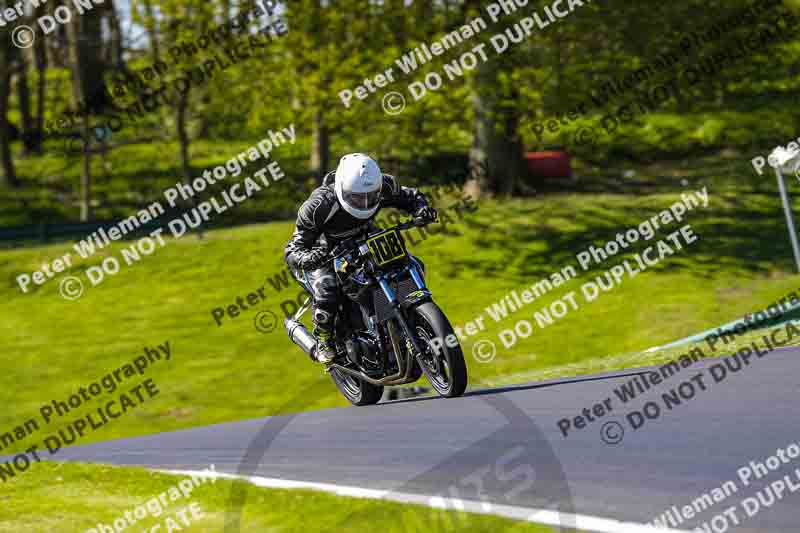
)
(226, 11)
(151, 25)
(88, 90)
(115, 44)
(40, 57)
(30, 138)
(183, 139)
(183, 135)
(86, 175)
(496, 156)
(9, 177)
(320, 146)
(497, 147)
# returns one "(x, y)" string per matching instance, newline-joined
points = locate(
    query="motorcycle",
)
(388, 329)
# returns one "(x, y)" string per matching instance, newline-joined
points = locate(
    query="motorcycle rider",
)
(341, 208)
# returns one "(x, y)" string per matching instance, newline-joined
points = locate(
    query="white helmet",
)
(358, 185)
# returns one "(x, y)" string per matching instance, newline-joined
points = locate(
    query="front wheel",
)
(443, 365)
(357, 391)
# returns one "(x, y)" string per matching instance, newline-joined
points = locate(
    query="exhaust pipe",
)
(300, 336)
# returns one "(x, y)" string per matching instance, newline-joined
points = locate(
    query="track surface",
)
(451, 447)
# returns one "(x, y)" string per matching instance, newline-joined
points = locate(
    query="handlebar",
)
(349, 244)
(413, 223)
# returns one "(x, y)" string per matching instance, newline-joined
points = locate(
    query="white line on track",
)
(527, 514)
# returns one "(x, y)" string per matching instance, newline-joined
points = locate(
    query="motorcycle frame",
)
(404, 362)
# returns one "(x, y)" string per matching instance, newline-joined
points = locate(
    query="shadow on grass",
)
(747, 236)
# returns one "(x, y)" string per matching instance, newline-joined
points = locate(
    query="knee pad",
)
(323, 317)
(324, 287)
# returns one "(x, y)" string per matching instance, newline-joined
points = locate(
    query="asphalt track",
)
(503, 446)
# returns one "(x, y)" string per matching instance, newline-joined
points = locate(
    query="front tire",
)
(357, 391)
(444, 367)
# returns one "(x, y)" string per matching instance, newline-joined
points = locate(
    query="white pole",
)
(787, 208)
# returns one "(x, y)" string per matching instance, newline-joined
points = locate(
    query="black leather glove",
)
(313, 259)
(427, 213)
(342, 247)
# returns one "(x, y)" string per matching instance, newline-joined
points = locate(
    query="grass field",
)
(66, 498)
(52, 346)
(741, 262)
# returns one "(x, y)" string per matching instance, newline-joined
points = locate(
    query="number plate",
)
(387, 247)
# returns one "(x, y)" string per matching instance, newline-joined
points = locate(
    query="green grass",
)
(56, 498)
(741, 263)
(655, 357)
(132, 176)
(715, 145)
(52, 346)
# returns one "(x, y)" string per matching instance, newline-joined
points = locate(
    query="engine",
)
(363, 350)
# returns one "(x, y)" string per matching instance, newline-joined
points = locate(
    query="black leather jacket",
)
(322, 222)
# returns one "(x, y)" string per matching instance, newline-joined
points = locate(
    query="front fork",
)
(397, 307)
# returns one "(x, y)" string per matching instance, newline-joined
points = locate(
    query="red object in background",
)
(548, 164)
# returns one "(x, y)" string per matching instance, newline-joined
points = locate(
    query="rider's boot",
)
(325, 351)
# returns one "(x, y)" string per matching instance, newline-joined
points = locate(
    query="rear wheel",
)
(444, 366)
(356, 390)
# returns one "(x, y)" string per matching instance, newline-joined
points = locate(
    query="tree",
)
(9, 178)
(31, 139)
(180, 21)
(497, 144)
(88, 88)
(327, 44)
(40, 60)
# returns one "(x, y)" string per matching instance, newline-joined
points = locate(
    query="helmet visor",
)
(362, 200)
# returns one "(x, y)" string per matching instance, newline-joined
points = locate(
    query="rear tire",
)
(357, 391)
(451, 379)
